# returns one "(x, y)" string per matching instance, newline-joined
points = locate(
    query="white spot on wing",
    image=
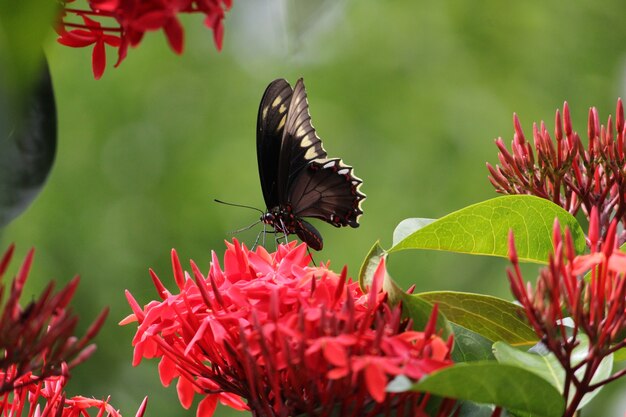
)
(343, 171)
(310, 154)
(281, 124)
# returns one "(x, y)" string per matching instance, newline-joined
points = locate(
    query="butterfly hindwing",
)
(270, 131)
(328, 190)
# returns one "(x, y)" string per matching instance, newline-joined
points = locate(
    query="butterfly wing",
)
(328, 190)
(270, 132)
(294, 167)
(300, 144)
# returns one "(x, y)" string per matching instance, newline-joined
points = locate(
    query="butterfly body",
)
(297, 178)
(283, 220)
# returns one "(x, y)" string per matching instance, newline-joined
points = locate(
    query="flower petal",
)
(207, 406)
(185, 391)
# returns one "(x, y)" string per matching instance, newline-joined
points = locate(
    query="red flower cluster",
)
(126, 21)
(563, 171)
(38, 349)
(34, 396)
(597, 307)
(39, 338)
(287, 338)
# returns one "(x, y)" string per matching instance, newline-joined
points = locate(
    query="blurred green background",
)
(411, 93)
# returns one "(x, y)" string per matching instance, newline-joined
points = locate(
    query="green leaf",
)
(470, 346)
(470, 409)
(516, 389)
(493, 318)
(372, 261)
(420, 310)
(28, 150)
(27, 115)
(548, 367)
(409, 226)
(373, 258)
(483, 228)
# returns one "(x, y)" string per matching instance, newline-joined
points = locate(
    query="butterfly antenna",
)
(243, 229)
(238, 205)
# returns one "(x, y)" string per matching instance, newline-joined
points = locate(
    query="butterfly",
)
(297, 178)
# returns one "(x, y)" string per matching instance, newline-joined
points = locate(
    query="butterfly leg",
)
(308, 250)
(284, 231)
(258, 236)
(263, 233)
(277, 238)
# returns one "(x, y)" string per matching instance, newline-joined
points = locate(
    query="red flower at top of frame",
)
(92, 34)
(123, 23)
(285, 337)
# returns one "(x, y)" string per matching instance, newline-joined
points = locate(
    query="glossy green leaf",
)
(372, 261)
(470, 346)
(27, 113)
(483, 228)
(420, 310)
(493, 318)
(373, 258)
(545, 366)
(27, 152)
(516, 389)
(409, 226)
(470, 409)
(548, 367)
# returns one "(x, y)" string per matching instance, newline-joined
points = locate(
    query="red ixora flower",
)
(273, 335)
(34, 396)
(38, 350)
(596, 306)
(120, 23)
(564, 171)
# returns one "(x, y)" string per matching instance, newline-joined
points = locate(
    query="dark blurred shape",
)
(27, 147)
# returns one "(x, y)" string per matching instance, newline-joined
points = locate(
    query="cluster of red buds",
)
(123, 23)
(288, 338)
(563, 171)
(594, 306)
(38, 349)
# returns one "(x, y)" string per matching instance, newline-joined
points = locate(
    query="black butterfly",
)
(297, 178)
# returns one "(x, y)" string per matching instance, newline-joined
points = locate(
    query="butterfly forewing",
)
(270, 128)
(300, 144)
